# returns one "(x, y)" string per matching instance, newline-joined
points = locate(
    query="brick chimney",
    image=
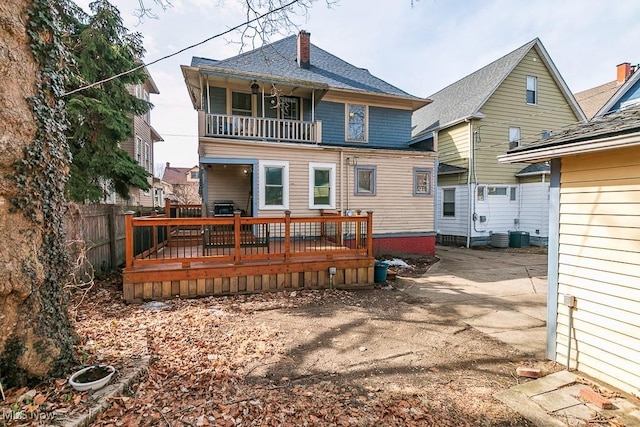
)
(304, 49)
(624, 71)
(167, 165)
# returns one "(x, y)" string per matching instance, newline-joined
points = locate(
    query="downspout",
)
(342, 177)
(469, 166)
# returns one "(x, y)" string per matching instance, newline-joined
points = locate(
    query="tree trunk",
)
(36, 338)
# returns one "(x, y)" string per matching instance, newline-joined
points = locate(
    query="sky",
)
(420, 49)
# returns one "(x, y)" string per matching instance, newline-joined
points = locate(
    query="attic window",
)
(532, 90)
(356, 122)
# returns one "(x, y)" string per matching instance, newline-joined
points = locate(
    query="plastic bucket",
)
(380, 271)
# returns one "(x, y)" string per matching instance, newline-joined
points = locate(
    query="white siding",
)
(534, 208)
(599, 264)
(454, 226)
(499, 211)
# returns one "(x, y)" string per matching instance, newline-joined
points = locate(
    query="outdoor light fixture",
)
(255, 88)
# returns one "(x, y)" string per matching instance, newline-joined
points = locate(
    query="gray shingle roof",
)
(278, 60)
(445, 169)
(614, 124)
(535, 169)
(465, 97)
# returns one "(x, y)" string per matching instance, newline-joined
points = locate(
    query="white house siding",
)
(533, 199)
(599, 264)
(457, 225)
(396, 209)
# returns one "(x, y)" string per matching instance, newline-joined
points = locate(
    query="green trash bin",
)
(380, 271)
(519, 239)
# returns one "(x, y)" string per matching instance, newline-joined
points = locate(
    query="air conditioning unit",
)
(513, 144)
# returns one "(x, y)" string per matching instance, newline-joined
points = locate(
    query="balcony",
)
(259, 128)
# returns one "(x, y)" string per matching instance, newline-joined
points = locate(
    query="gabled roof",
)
(464, 98)
(174, 175)
(277, 62)
(617, 96)
(614, 130)
(592, 100)
(535, 169)
(446, 169)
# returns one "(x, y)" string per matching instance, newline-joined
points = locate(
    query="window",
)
(365, 181)
(274, 185)
(240, 104)
(532, 90)
(322, 178)
(497, 191)
(449, 202)
(356, 122)
(481, 193)
(514, 137)
(147, 157)
(421, 182)
(194, 174)
(289, 108)
(512, 194)
(137, 150)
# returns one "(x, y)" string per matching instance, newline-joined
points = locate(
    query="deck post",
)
(370, 233)
(236, 236)
(287, 236)
(128, 238)
(358, 225)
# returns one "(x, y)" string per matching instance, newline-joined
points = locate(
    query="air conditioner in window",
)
(513, 144)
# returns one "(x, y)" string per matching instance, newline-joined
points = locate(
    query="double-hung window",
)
(322, 191)
(274, 184)
(449, 202)
(241, 104)
(356, 125)
(532, 90)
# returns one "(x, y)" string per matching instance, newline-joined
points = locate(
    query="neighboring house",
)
(624, 92)
(594, 246)
(510, 102)
(184, 184)
(140, 148)
(291, 127)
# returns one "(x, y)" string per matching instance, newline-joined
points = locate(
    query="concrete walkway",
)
(500, 293)
(503, 293)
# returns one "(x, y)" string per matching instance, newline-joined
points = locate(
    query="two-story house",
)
(183, 184)
(140, 148)
(616, 95)
(291, 127)
(513, 101)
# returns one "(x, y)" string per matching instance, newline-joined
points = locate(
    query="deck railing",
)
(237, 239)
(262, 128)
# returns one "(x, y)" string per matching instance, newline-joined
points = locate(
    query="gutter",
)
(582, 147)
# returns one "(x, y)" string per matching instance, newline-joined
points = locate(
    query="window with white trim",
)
(497, 191)
(147, 157)
(241, 104)
(514, 137)
(322, 187)
(448, 202)
(137, 150)
(274, 184)
(532, 90)
(356, 125)
(365, 180)
(480, 190)
(421, 182)
(512, 194)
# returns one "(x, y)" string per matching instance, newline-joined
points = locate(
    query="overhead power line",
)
(257, 18)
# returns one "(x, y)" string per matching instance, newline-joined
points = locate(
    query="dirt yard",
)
(306, 358)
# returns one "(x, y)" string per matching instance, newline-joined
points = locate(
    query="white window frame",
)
(262, 165)
(494, 190)
(534, 80)
(454, 202)
(331, 167)
(481, 193)
(137, 150)
(513, 194)
(366, 123)
(515, 136)
(147, 157)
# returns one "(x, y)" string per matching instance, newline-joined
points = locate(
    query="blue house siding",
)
(388, 128)
(632, 93)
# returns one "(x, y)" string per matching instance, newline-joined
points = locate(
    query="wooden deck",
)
(194, 257)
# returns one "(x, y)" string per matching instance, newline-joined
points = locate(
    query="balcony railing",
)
(261, 128)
